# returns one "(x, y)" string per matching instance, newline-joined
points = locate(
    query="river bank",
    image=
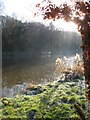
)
(53, 101)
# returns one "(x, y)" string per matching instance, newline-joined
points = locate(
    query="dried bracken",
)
(73, 65)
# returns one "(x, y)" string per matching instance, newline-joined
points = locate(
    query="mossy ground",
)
(55, 101)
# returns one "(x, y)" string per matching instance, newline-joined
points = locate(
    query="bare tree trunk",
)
(86, 57)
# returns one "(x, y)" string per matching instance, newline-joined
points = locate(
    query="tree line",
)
(35, 38)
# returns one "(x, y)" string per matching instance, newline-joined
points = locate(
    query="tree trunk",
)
(86, 57)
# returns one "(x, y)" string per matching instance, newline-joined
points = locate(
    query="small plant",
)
(70, 67)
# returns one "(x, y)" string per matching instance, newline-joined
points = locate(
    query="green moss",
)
(75, 117)
(72, 99)
(64, 99)
(55, 101)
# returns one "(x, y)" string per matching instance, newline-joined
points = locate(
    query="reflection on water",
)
(18, 71)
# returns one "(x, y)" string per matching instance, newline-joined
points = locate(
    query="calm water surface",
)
(19, 71)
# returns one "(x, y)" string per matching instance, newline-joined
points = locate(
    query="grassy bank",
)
(53, 101)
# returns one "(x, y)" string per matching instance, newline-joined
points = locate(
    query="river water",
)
(17, 71)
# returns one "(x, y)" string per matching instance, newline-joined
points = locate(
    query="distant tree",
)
(11, 32)
(79, 13)
(35, 38)
(51, 26)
